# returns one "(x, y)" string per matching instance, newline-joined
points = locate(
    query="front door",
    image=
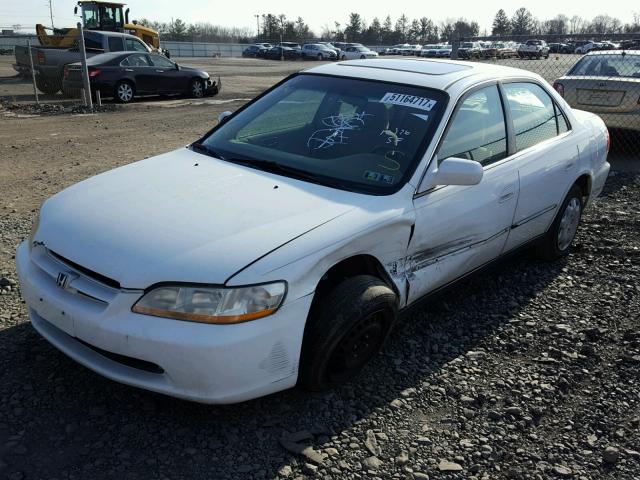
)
(460, 228)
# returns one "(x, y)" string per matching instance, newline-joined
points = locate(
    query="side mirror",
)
(453, 171)
(223, 116)
(75, 10)
(177, 66)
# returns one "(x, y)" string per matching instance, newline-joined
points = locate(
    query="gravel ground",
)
(526, 371)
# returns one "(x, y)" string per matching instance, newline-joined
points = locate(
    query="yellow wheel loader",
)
(99, 15)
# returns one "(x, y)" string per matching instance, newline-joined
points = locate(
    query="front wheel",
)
(345, 330)
(320, 57)
(124, 92)
(197, 88)
(344, 57)
(557, 241)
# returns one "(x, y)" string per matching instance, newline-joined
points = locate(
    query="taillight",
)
(608, 135)
(94, 72)
(66, 72)
(559, 88)
(40, 57)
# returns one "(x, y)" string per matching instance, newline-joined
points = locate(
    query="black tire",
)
(196, 88)
(320, 58)
(124, 92)
(552, 246)
(355, 317)
(48, 86)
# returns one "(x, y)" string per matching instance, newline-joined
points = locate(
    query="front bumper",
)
(193, 361)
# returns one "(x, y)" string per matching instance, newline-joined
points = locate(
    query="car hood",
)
(183, 217)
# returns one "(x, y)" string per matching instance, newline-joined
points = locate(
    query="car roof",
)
(614, 52)
(439, 74)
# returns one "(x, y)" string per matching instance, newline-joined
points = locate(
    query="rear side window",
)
(477, 131)
(533, 113)
(115, 44)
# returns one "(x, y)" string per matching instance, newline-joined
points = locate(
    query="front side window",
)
(135, 45)
(477, 131)
(533, 113)
(162, 62)
(137, 60)
(353, 134)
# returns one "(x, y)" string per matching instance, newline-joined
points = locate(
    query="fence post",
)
(33, 74)
(455, 44)
(85, 71)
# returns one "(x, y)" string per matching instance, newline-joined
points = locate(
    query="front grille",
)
(125, 360)
(89, 273)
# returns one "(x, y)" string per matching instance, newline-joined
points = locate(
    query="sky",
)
(29, 12)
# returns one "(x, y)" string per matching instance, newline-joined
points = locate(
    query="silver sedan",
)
(606, 83)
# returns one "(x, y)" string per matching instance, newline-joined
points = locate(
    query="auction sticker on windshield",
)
(422, 103)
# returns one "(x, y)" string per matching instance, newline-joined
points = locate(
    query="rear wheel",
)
(346, 329)
(48, 86)
(197, 88)
(557, 241)
(124, 92)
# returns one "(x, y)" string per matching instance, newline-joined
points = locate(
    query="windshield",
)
(358, 135)
(467, 45)
(606, 65)
(362, 49)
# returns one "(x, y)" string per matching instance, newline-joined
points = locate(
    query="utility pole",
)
(257, 25)
(51, 12)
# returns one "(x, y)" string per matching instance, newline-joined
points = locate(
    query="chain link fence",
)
(47, 69)
(594, 73)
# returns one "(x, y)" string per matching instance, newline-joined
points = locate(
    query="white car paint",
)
(181, 218)
(356, 52)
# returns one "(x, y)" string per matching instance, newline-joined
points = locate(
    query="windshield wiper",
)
(278, 168)
(202, 148)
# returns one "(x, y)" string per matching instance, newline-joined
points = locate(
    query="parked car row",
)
(309, 51)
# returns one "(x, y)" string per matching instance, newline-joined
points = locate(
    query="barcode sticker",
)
(408, 101)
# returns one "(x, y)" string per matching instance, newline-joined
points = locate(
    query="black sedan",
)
(276, 53)
(125, 75)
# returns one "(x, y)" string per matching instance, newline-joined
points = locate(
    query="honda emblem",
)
(63, 280)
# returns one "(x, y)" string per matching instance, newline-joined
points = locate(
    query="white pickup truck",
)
(534, 49)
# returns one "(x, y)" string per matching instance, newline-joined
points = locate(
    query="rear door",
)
(548, 159)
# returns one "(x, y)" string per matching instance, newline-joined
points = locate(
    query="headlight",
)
(212, 305)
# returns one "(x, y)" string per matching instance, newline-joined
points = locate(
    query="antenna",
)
(51, 11)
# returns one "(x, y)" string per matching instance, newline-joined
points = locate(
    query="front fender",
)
(381, 233)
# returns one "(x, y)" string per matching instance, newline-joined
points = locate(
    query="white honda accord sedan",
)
(280, 247)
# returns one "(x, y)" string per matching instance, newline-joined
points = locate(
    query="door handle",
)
(160, 71)
(128, 69)
(505, 197)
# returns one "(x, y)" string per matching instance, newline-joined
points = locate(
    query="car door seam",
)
(534, 216)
